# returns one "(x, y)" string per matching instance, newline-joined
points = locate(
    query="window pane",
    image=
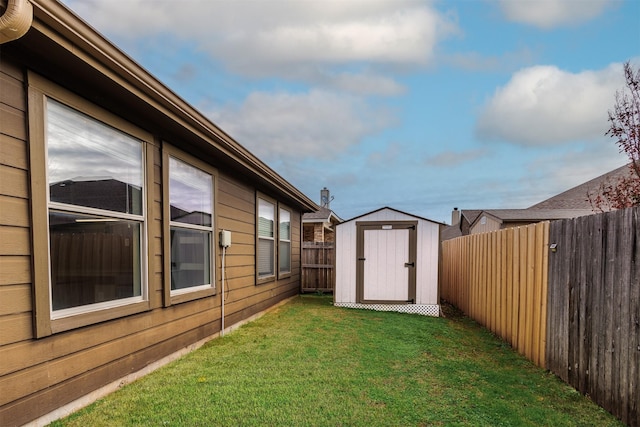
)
(285, 225)
(92, 164)
(93, 259)
(265, 257)
(285, 257)
(190, 258)
(190, 194)
(266, 218)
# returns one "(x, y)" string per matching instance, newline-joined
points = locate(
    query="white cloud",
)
(449, 158)
(552, 13)
(320, 124)
(475, 61)
(289, 38)
(544, 105)
(366, 84)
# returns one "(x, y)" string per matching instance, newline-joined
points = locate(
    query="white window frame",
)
(106, 215)
(191, 293)
(262, 278)
(47, 321)
(284, 273)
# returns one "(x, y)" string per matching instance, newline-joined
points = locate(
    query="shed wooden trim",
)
(361, 227)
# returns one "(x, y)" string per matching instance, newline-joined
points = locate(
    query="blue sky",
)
(417, 105)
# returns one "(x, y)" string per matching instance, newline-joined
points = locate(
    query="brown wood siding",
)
(15, 277)
(38, 376)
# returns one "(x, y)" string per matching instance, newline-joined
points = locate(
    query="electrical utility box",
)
(225, 238)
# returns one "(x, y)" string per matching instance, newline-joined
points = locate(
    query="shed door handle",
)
(361, 259)
(409, 264)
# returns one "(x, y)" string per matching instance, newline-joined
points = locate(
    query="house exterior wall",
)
(318, 232)
(39, 374)
(483, 226)
(426, 262)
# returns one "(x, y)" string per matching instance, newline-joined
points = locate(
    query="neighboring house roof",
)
(321, 215)
(571, 203)
(577, 197)
(450, 232)
(532, 215)
(470, 215)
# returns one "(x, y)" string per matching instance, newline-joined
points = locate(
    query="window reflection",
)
(191, 209)
(190, 192)
(190, 259)
(284, 245)
(93, 259)
(91, 164)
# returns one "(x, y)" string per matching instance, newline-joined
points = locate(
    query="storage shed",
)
(388, 260)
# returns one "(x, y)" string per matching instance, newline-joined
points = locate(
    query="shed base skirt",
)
(432, 310)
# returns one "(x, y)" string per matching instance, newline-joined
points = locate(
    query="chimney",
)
(455, 216)
(325, 199)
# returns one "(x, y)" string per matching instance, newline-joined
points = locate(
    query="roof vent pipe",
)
(16, 20)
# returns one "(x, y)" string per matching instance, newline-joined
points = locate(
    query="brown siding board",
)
(15, 270)
(236, 201)
(13, 152)
(234, 187)
(12, 92)
(15, 299)
(14, 211)
(15, 328)
(13, 182)
(15, 241)
(236, 214)
(13, 122)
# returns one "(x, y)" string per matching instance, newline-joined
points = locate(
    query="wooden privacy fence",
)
(318, 266)
(500, 280)
(566, 294)
(594, 309)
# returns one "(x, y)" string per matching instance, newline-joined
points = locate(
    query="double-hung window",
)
(191, 225)
(284, 242)
(273, 241)
(96, 212)
(266, 238)
(89, 211)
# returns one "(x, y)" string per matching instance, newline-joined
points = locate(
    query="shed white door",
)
(386, 257)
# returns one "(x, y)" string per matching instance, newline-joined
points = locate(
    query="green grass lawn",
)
(309, 363)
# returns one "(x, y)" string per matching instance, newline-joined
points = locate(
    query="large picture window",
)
(266, 238)
(96, 212)
(191, 211)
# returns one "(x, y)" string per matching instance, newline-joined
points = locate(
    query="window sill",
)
(90, 318)
(191, 296)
